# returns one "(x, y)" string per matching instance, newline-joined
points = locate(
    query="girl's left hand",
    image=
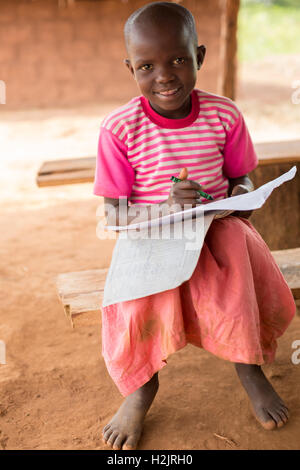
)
(241, 189)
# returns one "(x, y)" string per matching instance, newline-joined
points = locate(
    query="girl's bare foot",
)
(268, 407)
(125, 428)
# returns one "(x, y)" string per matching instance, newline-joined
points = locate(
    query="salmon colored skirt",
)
(235, 305)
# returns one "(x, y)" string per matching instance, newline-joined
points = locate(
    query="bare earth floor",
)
(55, 392)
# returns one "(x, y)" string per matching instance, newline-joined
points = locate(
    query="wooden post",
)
(228, 48)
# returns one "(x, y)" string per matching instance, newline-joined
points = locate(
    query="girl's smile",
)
(164, 62)
(168, 93)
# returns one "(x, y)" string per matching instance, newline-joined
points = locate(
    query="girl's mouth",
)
(168, 93)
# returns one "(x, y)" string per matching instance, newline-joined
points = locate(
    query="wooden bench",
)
(82, 170)
(69, 171)
(81, 292)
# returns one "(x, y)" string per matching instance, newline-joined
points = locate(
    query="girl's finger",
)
(190, 184)
(192, 202)
(187, 186)
(185, 193)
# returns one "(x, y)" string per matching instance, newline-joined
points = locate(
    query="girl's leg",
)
(268, 407)
(125, 428)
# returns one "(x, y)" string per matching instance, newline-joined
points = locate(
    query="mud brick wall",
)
(61, 56)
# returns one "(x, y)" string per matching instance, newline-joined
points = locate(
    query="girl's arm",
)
(243, 181)
(240, 185)
(113, 217)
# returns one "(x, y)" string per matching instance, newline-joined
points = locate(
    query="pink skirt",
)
(235, 305)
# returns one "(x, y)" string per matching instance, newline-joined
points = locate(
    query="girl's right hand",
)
(184, 192)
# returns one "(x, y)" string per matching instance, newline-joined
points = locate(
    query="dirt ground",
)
(55, 392)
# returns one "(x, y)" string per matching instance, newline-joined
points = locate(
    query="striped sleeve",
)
(114, 174)
(239, 154)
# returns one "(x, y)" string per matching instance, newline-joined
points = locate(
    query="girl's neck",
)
(185, 119)
(180, 113)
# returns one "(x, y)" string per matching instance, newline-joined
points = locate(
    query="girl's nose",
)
(164, 76)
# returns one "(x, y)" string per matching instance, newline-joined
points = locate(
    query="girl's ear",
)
(201, 51)
(129, 66)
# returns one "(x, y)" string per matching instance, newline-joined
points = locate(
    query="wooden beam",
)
(67, 171)
(71, 177)
(228, 48)
(81, 294)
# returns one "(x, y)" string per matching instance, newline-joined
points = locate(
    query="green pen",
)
(202, 193)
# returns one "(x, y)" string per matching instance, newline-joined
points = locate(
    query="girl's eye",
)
(146, 67)
(179, 61)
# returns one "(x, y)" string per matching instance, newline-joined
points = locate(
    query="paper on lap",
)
(145, 266)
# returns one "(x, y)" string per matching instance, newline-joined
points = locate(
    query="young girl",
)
(237, 303)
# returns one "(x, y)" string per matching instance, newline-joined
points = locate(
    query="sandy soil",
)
(55, 392)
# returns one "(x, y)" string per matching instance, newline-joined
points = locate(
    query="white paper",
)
(243, 202)
(142, 267)
(147, 266)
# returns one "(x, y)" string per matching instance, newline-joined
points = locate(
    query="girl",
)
(237, 303)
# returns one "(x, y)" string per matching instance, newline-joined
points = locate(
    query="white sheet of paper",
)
(142, 267)
(249, 201)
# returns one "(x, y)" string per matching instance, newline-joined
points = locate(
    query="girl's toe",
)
(130, 443)
(106, 428)
(107, 435)
(112, 438)
(119, 441)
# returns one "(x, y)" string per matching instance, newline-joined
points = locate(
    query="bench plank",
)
(82, 170)
(68, 171)
(71, 177)
(270, 153)
(69, 164)
(81, 292)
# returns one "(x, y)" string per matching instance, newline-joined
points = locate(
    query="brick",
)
(6, 71)
(54, 31)
(77, 50)
(67, 94)
(85, 69)
(38, 10)
(8, 54)
(20, 85)
(35, 53)
(8, 14)
(87, 31)
(15, 33)
(81, 11)
(58, 71)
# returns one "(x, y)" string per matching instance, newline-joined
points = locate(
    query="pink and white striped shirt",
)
(139, 150)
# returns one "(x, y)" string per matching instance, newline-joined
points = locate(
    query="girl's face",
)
(164, 63)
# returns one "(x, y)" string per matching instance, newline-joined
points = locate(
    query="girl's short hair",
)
(154, 11)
